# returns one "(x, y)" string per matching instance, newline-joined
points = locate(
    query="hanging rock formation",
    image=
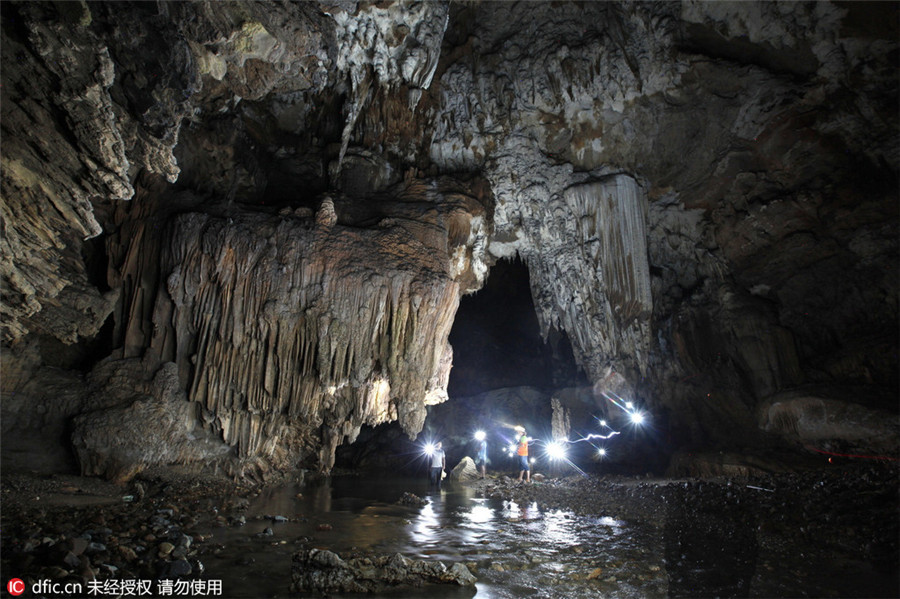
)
(292, 330)
(287, 330)
(284, 202)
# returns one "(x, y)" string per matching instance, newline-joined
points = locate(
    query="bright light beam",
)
(635, 416)
(556, 451)
(429, 449)
(595, 436)
(616, 402)
(480, 435)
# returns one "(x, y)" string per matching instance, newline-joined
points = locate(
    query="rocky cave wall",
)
(282, 203)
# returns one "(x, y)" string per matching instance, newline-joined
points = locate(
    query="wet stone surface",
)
(831, 533)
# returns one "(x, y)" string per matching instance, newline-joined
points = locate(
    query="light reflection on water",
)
(513, 549)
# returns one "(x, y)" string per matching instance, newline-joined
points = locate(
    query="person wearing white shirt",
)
(438, 464)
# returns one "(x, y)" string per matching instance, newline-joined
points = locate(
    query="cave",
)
(258, 258)
(496, 338)
(497, 341)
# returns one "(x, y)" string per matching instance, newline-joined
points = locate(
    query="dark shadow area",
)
(497, 341)
(710, 550)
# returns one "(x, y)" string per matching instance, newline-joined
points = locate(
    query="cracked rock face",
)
(286, 202)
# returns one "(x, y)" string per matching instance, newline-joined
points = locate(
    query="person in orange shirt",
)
(523, 455)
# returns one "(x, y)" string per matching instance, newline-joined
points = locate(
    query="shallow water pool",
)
(514, 550)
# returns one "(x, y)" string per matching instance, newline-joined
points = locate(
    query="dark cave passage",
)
(497, 341)
(497, 347)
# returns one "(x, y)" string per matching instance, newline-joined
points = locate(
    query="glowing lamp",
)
(480, 435)
(603, 423)
(629, 405)
(429, 449)
(601, 452)
(556, 451)
(637, 418)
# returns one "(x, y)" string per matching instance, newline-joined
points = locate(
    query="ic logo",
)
(15, 587)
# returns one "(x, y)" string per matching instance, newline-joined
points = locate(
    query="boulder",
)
(156, 429)
(411, 499)
(811, 418)
(464, 471)
(322, 571)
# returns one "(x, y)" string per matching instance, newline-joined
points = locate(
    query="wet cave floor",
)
(822, 533)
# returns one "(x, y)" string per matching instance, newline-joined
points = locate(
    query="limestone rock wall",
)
(704, 194)
(159, 428)
(291, 332)
(670, 95)
(812, 419)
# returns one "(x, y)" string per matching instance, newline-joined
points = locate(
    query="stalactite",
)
(610, 217)
(308, 333)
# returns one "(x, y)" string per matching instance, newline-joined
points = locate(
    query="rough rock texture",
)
(35, 413)
(290, 331)
(161, 428)
(808, 418)
(323, 571)
(464, 471)
(705, 195)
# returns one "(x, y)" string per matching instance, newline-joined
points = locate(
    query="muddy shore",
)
(740, 537)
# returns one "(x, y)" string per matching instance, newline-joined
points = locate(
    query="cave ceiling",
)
(285, 202)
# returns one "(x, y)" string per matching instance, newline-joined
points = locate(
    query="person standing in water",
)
(438, 464)
(481, 460)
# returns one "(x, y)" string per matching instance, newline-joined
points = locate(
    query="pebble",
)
(165, 549)
(55, 572)
(127, 553)
(96, 548)
(71, 560)
(198, 566)
(79, 545)
(179, 568)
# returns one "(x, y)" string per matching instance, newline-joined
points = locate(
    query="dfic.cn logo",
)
(16, 586)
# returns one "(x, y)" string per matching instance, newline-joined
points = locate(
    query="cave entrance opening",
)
(497, 344)
(497, 340)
